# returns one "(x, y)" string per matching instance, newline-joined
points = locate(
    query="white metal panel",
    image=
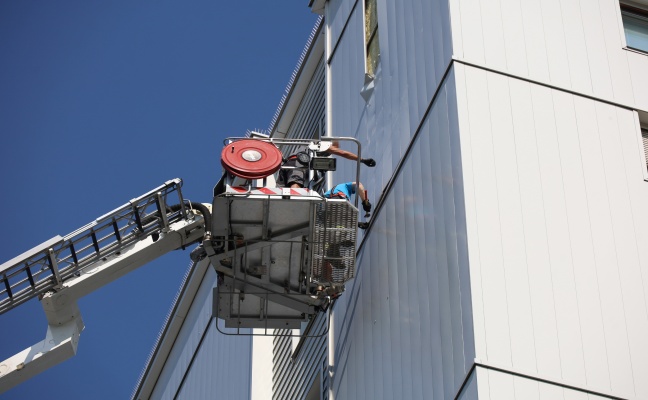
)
(500, 386)
(600, 229)
(493, 275)
(621, 237)
(504, 129)
(550, 180)
(513, 34)
(534, 37)
(483, 384)
(634, 277)
(570, 44)
(470, 31)
(528, 389)
(540, 234)
(557, 55)
(597, 52)
(579, 214)
(261, 369)
(617, 60)
(565, 241)
(493, 35)
(575, 41)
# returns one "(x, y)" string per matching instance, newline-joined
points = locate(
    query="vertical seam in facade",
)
(616, 254)
(589, 67)
(625, 174)
(571, 263)
(526, 255)
(499, 220)
(591, 242)
(546, 230)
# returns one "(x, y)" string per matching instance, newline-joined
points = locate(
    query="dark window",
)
(635, 25)
(372, 47)
(644, 137)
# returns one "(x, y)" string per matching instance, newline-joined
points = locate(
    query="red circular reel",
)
(251, 159)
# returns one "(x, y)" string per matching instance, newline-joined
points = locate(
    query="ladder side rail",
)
(26, 277)
(64, 319)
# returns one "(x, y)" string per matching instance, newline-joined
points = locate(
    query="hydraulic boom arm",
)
(63, 269)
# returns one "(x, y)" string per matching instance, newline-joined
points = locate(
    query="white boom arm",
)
(110, 262)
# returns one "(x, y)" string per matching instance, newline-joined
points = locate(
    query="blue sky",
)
(101, 101)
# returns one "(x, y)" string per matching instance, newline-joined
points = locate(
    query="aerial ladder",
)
(282, 255)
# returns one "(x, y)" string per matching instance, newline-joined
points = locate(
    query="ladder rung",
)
(8, 287)
(49, 264)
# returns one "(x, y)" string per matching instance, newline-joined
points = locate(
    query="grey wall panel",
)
(408, 298)
(338, 12)
(221, 368)
(205, 362)
(310, 116)
(469, 391)
(197, 320)
(413, 60)
(553, 184)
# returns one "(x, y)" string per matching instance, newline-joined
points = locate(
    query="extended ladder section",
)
(64, 269)
(282, 254)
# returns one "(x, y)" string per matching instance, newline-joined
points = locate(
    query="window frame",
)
(371, 64)
(643, 132)
(636, 11)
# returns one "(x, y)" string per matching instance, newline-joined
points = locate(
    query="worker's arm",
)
(366, 205)
(335, 149)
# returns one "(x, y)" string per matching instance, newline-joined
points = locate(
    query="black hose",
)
(205, 213)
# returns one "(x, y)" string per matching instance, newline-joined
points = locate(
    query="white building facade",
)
(507, 255)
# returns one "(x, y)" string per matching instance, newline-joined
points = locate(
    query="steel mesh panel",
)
(334, 242)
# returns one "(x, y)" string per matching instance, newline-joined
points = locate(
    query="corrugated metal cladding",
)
(309, 120)
(404, 327)
(415, 51)
(556, 210)
(204, 363)
(293, 375)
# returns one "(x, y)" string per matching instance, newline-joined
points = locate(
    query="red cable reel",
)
(251, 159)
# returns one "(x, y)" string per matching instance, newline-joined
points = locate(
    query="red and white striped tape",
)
(273, 191)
